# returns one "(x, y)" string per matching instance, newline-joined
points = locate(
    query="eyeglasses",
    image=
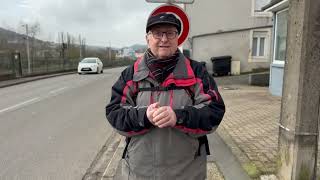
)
(169, 34)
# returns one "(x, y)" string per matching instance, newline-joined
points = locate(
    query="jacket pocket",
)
(139, 157)
(183, 148)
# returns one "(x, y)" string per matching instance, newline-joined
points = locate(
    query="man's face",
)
(163, 40)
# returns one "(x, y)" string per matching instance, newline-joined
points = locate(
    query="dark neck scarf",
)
(161, 68)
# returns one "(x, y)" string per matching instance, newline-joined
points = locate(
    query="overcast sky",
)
(120, 22)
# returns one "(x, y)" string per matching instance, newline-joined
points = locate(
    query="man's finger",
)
(166, 124)
(162, 120)
(159, 111)
(160, 116)
(156, 105)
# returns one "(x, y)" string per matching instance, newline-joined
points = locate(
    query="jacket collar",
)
(182, 75)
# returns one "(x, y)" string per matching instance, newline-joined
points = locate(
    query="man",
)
(165, 104)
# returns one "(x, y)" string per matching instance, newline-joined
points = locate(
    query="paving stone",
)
(213, 172)
(251, 120)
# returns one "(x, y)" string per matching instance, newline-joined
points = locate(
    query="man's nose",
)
(164, 37)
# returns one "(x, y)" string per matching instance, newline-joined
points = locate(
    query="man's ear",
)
(147, 39)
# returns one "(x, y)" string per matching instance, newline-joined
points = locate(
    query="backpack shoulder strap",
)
(160, 88)
(173, 87)
(128, 139)
(203, 140)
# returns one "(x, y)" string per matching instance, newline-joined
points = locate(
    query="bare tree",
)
(34, 29)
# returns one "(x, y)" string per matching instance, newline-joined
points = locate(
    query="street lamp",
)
(28, 48)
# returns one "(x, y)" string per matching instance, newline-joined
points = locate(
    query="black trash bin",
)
(221, 65)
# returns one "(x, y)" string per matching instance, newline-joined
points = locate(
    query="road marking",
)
(18, 105)
(57, 90)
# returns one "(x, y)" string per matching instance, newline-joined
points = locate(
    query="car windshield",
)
(89, 60)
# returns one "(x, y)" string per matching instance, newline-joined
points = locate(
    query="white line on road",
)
(18, 105)
(57, 90)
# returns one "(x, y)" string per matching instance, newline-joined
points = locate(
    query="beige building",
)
(230, 27)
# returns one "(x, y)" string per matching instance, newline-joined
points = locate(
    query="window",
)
(259, 43)
(280, 44)
(89, 60)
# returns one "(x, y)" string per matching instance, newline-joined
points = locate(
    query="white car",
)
(90, 65)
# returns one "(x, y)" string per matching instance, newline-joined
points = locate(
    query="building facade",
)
(227, 27)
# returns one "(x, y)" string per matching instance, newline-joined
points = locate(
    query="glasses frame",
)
(159, 35)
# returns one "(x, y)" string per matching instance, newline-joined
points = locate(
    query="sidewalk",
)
(250, 127)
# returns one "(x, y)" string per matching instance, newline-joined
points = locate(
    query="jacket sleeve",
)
(121, 112)
(208, 109)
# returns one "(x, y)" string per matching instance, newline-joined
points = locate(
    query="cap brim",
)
(163, 22)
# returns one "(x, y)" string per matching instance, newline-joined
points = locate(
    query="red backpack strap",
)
(136, 64)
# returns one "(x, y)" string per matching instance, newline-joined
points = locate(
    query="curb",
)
(105, 164)
(29, 79)
(249, 167)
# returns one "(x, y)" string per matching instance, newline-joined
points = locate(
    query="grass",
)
(252, 170)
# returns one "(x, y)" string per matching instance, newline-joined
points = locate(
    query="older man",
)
(165, 104)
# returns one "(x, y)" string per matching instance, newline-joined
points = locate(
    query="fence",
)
(11, 67)
(5, 64)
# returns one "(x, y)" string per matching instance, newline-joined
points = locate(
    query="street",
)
(53, 128)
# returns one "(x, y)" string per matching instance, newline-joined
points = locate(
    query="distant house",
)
(229, 27)
(126, 53)
(279, 8)
(139, 54)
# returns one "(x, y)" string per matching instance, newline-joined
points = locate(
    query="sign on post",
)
(176, 10)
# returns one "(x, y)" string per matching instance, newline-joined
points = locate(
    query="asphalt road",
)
(53, 128)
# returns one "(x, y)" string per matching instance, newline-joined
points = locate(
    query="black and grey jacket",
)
(167, 153)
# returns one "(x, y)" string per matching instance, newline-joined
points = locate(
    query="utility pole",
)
(80, 47)
(28, 48)
(62, 49)
(298, 132)
(84, 53)
(109, 51)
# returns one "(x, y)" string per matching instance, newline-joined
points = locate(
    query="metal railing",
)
(15, 65)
